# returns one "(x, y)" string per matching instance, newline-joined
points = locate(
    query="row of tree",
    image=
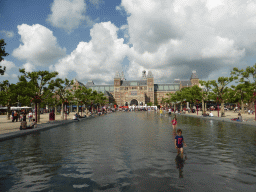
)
(44, 88)
(244, 90)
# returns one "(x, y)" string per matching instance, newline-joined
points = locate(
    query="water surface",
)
(131, 151)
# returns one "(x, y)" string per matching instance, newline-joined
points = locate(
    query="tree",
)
(242, 93)
(36, 85)
(172, 99)
(205, 93)
(220, 90)
(83, 96)
(2, 54)
(247, 80)
(8, 96)
(150, 104)
(61, 91)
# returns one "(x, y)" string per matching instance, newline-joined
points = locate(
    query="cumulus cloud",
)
(8, 34)
(67, 14)
(11, 71)
(29, 67)
(39, 47)
(201, 35)
(97, 59)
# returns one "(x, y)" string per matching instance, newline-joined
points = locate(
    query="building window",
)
(171, 87)
(160, 88)
(133, 84)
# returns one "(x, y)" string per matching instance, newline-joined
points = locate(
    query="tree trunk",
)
(77, 108)
(203, 109)
(38, 112)
(55, 111)
(174, 107)
(222, 109)
(8, 112)
(62, 111)
(242, 106)
(181, 107)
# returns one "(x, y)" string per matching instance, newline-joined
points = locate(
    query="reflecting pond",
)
(131, 151)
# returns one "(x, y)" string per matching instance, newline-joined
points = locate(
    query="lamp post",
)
(254, 76)
(36, 106)
(197, 107)
(218, 106)
(66, 102)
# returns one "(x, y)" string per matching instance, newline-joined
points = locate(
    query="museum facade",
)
(139, 92)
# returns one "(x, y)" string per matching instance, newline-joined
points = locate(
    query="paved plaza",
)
(7, 126)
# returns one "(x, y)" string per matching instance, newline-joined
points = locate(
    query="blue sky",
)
(92, 39)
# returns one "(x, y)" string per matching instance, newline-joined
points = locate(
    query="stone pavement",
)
(9, 129)
(247, 119)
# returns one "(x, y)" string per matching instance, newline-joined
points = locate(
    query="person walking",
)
(161, 112)
(174, 122)
(12, 116)
(179, 140)
(15, 115)
(30, 116)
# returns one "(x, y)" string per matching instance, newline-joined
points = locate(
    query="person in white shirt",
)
(210, 114)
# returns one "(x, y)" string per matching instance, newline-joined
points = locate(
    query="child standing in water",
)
(174, 122)
(179, 140)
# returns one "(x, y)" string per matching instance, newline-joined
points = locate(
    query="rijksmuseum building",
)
(139, 92)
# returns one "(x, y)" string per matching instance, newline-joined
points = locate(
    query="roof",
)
(184, 83)
(134, 83)
(90, 83)
(167, 87)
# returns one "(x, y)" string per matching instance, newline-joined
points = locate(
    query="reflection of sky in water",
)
(131, 152)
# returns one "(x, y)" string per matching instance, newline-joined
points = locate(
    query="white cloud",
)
(8, 34)
(97, 59)
(201, 35)
(29, 67)
(11, 70)
(67, 14)
(39, 46)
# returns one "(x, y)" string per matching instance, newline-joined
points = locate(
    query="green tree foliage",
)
(35, 85)
(83, 95)
(206, 92)
(220, 90)
(150, 104)
(8, 95)
(247, 84)
(2, 54)
(62, 92)
(172, 99)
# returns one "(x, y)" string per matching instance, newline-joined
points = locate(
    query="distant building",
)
(139, 92)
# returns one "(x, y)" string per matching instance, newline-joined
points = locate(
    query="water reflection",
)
(131, 152)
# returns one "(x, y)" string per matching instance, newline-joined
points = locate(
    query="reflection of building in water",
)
(139, 92)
